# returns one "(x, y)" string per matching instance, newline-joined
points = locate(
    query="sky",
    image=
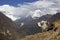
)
(16, 9)
(15, 2)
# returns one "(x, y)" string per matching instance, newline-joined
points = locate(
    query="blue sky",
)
(15, 2)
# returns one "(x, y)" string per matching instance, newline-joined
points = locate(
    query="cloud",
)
(35, 9)
(8, 11)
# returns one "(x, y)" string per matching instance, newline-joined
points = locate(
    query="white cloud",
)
(8, 11)
(41, 4)
(35, 9)
(36, 13)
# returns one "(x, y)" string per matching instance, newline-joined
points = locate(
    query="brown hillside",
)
(51, 35)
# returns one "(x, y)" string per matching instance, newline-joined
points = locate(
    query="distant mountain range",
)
(27, 28)
(14, 27)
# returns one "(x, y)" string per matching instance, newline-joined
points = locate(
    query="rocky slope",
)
(7, 28)
(50, 35)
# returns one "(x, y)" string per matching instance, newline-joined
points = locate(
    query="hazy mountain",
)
(29, 25)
